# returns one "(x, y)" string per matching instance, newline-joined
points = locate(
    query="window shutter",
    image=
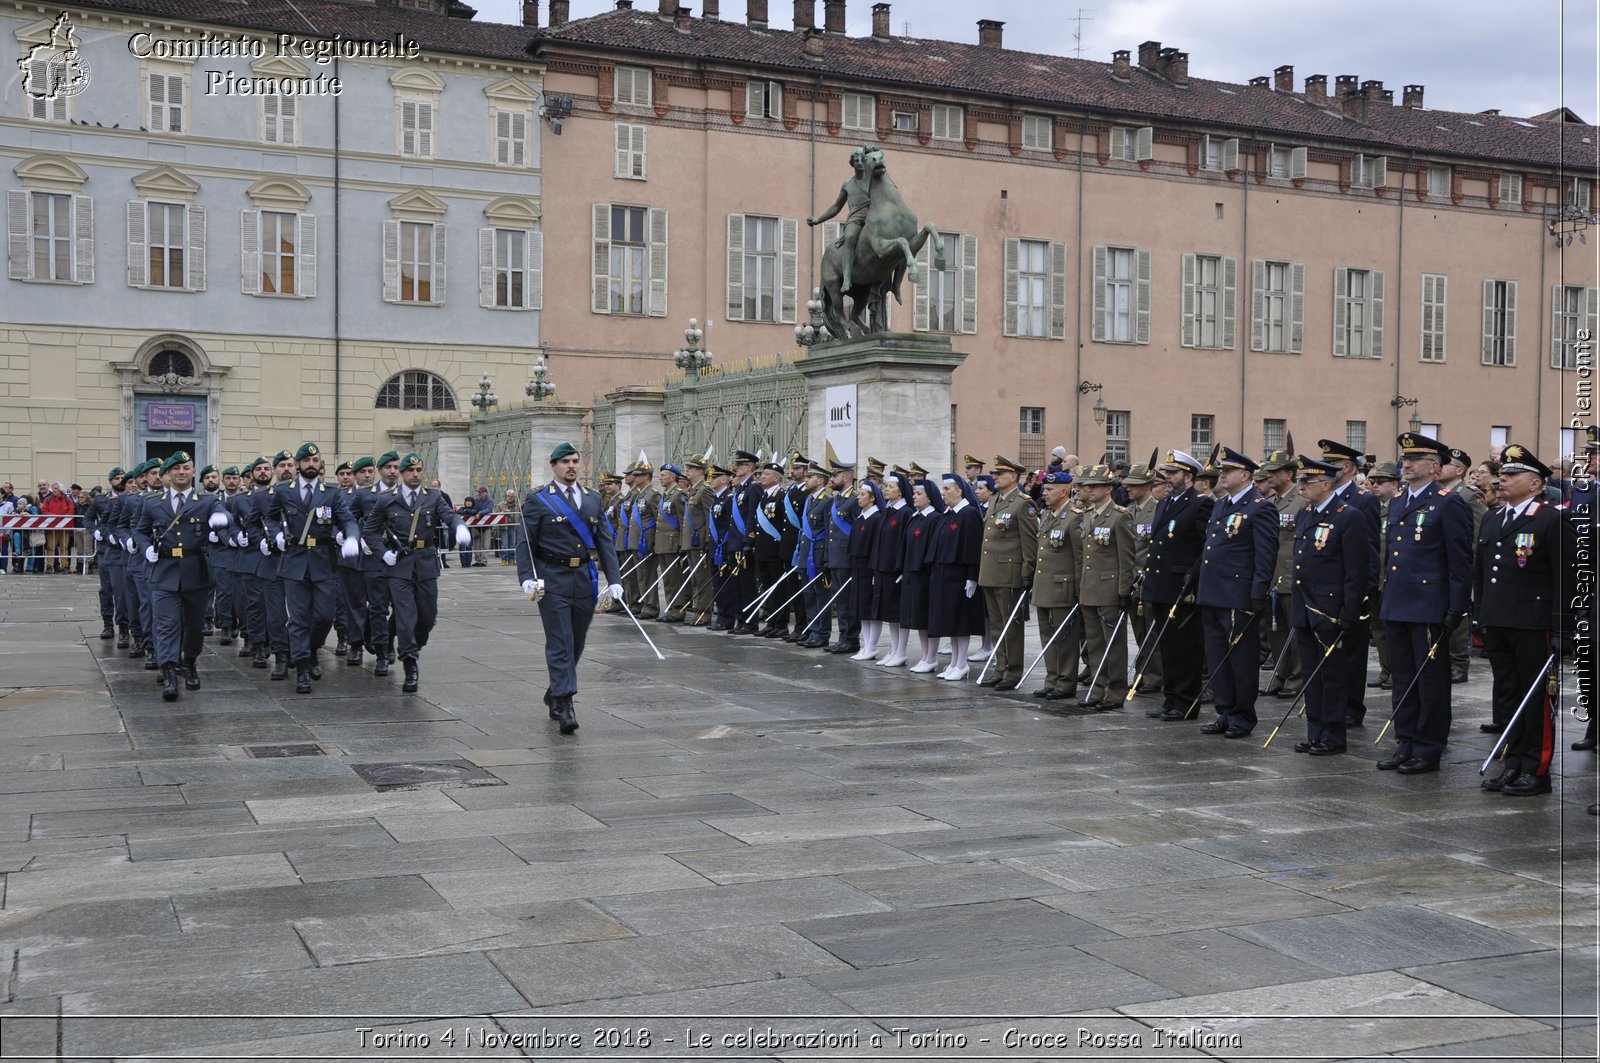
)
(19, 260)
(636, 150)
(533, 288)
(969, 284)
(1297, 164)
(138, 263)
(1144, 143)
(305, 255)
(1341, 308)
(788, 269)
(1013, 251)
(439, 234)
(83, 239)
(752, 98)
(1058, 291)
(1099, 332)
(288, 114)
(1297, 307)
(1119, 142)
(408, 127)
(1591, 305)
(425, 130)
(391, 262)
(1375, 348)
(158, 98)
(624, 166)
(600, 292)
(1487, 332)
(1230, 154)
(919, 288)
(1555, 326)
(1380, 172)
(1511, 322)
(657, 233)
(250, 251)
(502, 138)
(735, 291)
(269, 117)
(519, 138)
(195, 250)
(1186, 335)
(486, 293)
(1142, 331)
(1230, 281)
(1258, 305)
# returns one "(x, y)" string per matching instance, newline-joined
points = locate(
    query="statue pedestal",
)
(902, 397)
(639, 424)
(549, 423)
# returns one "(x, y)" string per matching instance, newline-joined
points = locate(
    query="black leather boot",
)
(191, 676)
(410, 684)
(226, 639)
(342, 647)
(122, 637)
(380, 663)
(280, 667)
(169, 682)
(567, 715)
(108, 632)
(150, 664)
(315, 667)
(258, 657)
(550, 703)
(136, 650)
(302, 679)
(353, 655)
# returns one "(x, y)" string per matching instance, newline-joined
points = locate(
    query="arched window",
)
(416, 390)
(175, 362)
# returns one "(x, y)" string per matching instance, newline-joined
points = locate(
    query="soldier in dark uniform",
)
(380, 604)
(247, 561)
(1279, 469)
(1452, 480)
(740, 588)
(1333, 561)
(724, 559)
(345, 477)
(304, 519)
(845, 510)
(274, 603)
(1345, 489)
(352, 571)
(1519, 575)
(210, 482)
(697, 601)
(791, 619)
(766, 543)
(1428, 553)
(402, 527)
(138, 570)
(1234, 591)
(1172, 567)
(564, 539)
(818, 518)
(170, 534)
(1384, 481)
(230, 592)
(109, 559)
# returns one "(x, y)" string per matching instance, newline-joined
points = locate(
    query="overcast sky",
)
(1471, 54)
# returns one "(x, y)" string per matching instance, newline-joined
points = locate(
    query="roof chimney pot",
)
(1120, 67)
(880, 21)
(805, 15)
(1317, 89)
(833, 16)
(989, 33)
(1283, 79)
(1411, 96)
(560, 11)
(710, 10)
(1150, 55)
(1260, 82)
(755, 13)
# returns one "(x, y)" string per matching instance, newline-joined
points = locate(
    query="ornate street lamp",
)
(815, 330)
(1400, 401)
(539, 388)
(1084, 387)
(691, 357)
(485, 399)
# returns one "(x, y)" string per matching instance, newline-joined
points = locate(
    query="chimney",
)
(880, 21)
(1373, 90)
(1120, 66)
(805, 15)
(624, 5)
(710, 10)
(1317, 89)
(530, 13)
(755, 13)
(833, 16)
(668, 9)
(1283, 79)
(1345, 85)
(1175, 66)
(1260, 82)
(682, 20)
(1150, 55)
(813, 45)
(559, 12)
(989, 32)
(1412, 96)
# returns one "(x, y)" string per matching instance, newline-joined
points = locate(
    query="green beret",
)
(254, 465)
(139, 469)
(343, 466)
(307, 450)
(411, 461)
(364, 462)
(231, 470)
(387, 458)
(562, 450)
(207, 469)
(178, 458)
(282, 455)
(116, 473)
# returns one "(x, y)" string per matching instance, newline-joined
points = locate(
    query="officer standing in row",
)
(1452, 480)
(1005, 574)
(701, 543)
(671, 547)
(642, 505)
(1280, 467)
(564, 538)
(1140, 516)
(844, 511)
(1173, 567)
(795, 494)
(1105, 589)
(1345, 488)
(767, 532)
(814, 536)
(1384, 480)
(1059, 549)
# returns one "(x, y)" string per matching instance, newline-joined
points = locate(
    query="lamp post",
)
(485, 399)
(1084, 387)
(1400, 401)
(691, 358)
(539, 388)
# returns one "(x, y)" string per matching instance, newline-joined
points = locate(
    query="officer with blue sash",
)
(741, 585)
(844, 511)
(724, 556)
(564, 539)
(766, 544)
(794, 507)
(817, 517)
(671, 546)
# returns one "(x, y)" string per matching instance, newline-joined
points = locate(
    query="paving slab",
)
(1383, 883)
(1557, 987)
(254, 839)
(564, 880)
(93, 921)
(356, 806)
(1203, 961)
(987, 928)
(677, 837)
(282, 904)
(931, 887)
(1200, 904)
(798, 860)
(751, 904)
(159, 878)
(1137, 865)
(359, 938)
(430, 824)
(323, 864)
(1377, 939)
(1546, 914)
(816, 826)
(124, 962)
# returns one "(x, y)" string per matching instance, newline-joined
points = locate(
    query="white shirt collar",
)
(925, 510)
(1234, 499)
(870, 510)
(959, 506)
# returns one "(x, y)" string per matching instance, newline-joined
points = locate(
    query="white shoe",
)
(945, 652)
(864, 654)
(924, 666)
(979, 655)
(894, 661)
(955, 674)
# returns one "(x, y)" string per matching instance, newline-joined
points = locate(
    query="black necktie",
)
(572, 499)
(305, 495)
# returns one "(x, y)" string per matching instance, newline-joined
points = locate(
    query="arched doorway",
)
(171, 401)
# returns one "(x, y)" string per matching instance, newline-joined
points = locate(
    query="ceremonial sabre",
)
(829, 602)
(659, 655)
(1232, 642)
(1021, 594)
(802, 590)
(661, 577)
(1526, 700)
(1147, 651)
(1433, 651)
(1063, 626)
(693, 569)
(1111, 641)
(1305, 686)
(753, 606)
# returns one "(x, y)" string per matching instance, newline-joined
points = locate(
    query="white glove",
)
(532, 587)
(219, 519)
(97, 535)
(128, 546)
(366, 551)
(213, 537)
(972, 587)
(150, 554)
(338, 537)
(266, 548)
(390, 557)
(349, 550)
(241, 539)
(615, 590)
(281, 547)
(463, 537)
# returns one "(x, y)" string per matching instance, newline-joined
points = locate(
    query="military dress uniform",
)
(274, 603)
(311, 523)
(352, 572)
(139, 571)
(842, 518)
(789, 620)
(639, 546)
(1461, 638)
(767, 534)
(1358, 638)
(814, 536)
(1233, 593)
(698, 498)
(1384, 681)
(382, 622)
(1173, 565)
(1005, 573)
(1058, 555)
(1282, 653)
(111, 559)
(1518, 579)
(1333, 561)
(1140, 516)
(246, 568)
(740, 588)
(1428, 554)
(671, 547)
(1105, 588)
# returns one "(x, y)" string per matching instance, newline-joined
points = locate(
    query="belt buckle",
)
(177, 551)
(574, 562)
(311, 542)
(421, 544)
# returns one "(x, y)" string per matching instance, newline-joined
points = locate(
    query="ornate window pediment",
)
(50, 173)
(279, 193)
(512, 212)
(167, 185)
(510, 90)
(417, 205)
(417, 80)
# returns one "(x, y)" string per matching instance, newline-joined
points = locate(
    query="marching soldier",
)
(1518, 578)
(1428, 552)
(224, 556)
(247, 562)
(109, 559)
(564, 538)
(402, 528)
(1140, 516)
(766, 544)
(382, 621)
(818, 518)
(146, 477)
(1333, 561)
(304, 518)
(1384, 481)
(1233, 592)
(345, 482)
(671, 545)
(169, 533)
(1348, 461)
(1171, 571)
(210, 482)
(1058, 556)
(1010, 533)
(352, 571)
(1105, 588)
(1452, 480)
(1280, 467)
(701, 542)
(274, 602)
(844, 511)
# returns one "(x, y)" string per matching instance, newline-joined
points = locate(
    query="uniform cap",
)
(697, 463)
(231, 470)
(837, 466)
(1310, 467)
(207, 471)
(773, 466)
(387, 457)
(1333, 450)
(254, 465)
(798, 460)
(1518, 458)
(1178, 460)
(1386, 471)
(562, 450)
(116, 473)
(917, 471)
(307, 450)
(343, 466)
(1059, 477)
(1228, 458)
(1416, 445)
(1001, 462)
(971, 461)
(1280, 460)
(178, 457)
(744, 457)
(363, 462)
(1097, 475)
(609, 477)
(673, 469)
(411, 461)
(813, 469)
(1456, 454)
(718, 470)
(139, 469)
(876, 465)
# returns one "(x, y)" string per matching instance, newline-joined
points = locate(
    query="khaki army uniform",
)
(1010, 535)
(697, 503)
(671, 548)
(1139, 518)
(1460, 638)
(1055, 591)
(1289, 504)
(1105, 582)
(643, 520)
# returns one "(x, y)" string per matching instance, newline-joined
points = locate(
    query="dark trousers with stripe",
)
(179, 618)
(311, 604)
(1515, 656)
(276, 611)
(1326, 702)
(566, 610)
(1233, 649)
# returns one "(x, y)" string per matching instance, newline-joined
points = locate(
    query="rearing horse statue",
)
(884, 252)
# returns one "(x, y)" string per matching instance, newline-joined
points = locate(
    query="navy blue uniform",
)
(812, 551)
(411, 533)
(841, 520)
(180, 577)
(309, 527)
(97, 513)
(112, 559)
(554, 551)
(1177, 536)
(274, 613)
(1357, 640)
(1334, 561)
(1428, 554)
(1236, 570)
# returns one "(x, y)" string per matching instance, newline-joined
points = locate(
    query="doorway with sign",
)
(165, 424)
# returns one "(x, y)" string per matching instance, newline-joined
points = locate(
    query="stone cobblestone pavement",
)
(745, 836)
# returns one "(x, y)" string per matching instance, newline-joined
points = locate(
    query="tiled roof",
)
(324, 18)
(1052, 81)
